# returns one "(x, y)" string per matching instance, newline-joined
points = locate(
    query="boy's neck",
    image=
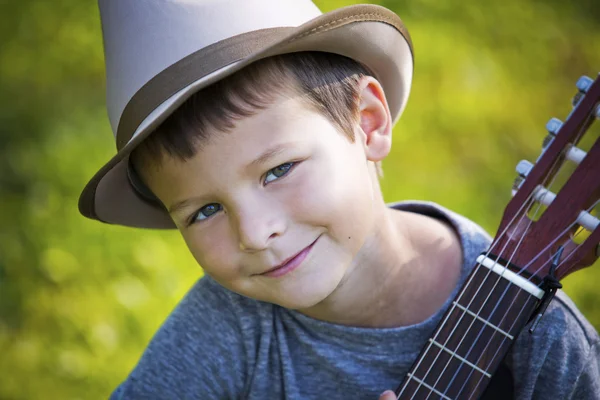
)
(402, 276)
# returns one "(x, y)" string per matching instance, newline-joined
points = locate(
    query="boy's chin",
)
(305, 297)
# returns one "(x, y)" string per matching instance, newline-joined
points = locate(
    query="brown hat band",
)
(188, 70)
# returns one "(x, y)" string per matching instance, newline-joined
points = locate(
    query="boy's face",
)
(283, 182)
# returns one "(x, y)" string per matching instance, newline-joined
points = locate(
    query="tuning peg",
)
(517, 184)
(585, 219)
(577, 98)
(588, 221)
(584, 83)
(575, 154)
(547, 141)
(523, 168)
(553, 126)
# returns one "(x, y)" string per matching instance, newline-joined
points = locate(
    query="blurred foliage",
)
(79, 300)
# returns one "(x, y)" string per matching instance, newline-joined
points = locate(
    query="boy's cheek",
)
(333, 189)
(212, 251)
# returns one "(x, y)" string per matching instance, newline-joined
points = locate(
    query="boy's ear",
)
(375, 120)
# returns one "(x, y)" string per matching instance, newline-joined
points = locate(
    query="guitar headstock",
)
(541, 219)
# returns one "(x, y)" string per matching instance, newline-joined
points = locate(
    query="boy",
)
(256, 129)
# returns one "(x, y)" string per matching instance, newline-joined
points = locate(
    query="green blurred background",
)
(79, 300)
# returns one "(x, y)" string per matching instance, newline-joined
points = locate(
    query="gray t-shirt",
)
(219, 345)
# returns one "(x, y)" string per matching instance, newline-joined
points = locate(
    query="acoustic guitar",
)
(549, 229)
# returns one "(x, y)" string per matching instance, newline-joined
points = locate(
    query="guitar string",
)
(498, 302)
(478, 314)
(577, 234)
(553, 167)
(523, 307)
(437, 333)
(511, 304)
(483, 304)
(577, 138)
(459, 296)
(528, 202)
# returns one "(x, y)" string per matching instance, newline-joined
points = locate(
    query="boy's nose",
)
(256, 230)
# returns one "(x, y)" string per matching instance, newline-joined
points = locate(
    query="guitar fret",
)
(471, 313)
(420, 382)
(453, 354)
(476, 340)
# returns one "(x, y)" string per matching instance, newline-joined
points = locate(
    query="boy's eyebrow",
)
(263, 158)
(270, 153)
(182, 204)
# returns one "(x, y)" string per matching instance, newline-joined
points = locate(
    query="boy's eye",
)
(278, 172)
(206, 211)
(210, 209)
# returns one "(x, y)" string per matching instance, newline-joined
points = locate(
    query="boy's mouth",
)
(291, 263)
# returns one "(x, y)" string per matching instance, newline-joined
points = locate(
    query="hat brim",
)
(369, 34)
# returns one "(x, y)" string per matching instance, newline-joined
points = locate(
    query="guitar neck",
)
(495, 303)
(473, 336)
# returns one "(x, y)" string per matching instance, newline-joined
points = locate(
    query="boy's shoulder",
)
(209, 308)
(204, 336)
(561, 358)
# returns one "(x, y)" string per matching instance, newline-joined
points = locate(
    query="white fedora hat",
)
(159, 52)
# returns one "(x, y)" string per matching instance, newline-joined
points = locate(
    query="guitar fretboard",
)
(471, 340)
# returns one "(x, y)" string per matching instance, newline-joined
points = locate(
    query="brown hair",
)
(326, 82)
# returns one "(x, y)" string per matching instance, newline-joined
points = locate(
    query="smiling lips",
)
(290, 264)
